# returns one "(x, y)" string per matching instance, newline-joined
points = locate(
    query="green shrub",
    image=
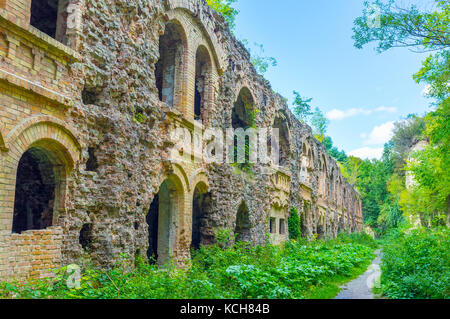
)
(240, 271)
(294, 224)
(416, 265)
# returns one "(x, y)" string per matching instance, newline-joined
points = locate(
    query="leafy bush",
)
(294, 224)
(241, 271)
(416, 265)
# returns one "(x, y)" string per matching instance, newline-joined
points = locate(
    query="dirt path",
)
(361, 287)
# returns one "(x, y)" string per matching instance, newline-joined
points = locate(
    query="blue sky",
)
(362, 92)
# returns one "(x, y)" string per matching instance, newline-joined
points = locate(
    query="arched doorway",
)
(162, 220)
(202, 82)
(200, 207)
(243, 226)
(242, 118)
(169, 69)
(38, 185)
(283, 148)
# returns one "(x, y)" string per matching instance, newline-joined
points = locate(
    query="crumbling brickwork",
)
(98, 99)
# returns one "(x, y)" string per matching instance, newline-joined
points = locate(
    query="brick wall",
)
(33, 253)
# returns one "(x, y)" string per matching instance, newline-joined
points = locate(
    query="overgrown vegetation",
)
(296, 270)
(416, 264)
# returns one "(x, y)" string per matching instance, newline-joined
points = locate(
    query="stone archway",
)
(38, 181)
(47, 150)
(242, 229)
(170, 68)
(163, 219)
(202, 87)
(201, 204)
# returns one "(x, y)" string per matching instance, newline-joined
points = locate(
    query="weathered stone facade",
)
(89, 101)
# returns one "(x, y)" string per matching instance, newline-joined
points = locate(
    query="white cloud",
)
(380, 134)
(368, 153)
(386, 109)
(338, 115)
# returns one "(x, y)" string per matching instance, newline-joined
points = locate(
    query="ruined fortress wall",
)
(86, 103)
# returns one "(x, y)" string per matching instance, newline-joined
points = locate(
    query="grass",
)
(297, 270)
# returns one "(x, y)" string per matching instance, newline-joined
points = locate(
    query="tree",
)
(333, 151)
(391, 26)
(302, 108)
(225, 7)
(350, 169)
(259, 61)
(320, 124)
(416, 30)
(406, 134)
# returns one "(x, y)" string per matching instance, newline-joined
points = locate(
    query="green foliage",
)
(241, 271)
(436, 72)
(406, 134)
(258, 59)
(403, 27)
(225, 7)
(417, 264)
(319, 124)
(302, 107)
(294, 224)
(420, 31)
(350, 169)
(333, 151)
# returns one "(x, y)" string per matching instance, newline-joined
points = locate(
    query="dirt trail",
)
(361, 287)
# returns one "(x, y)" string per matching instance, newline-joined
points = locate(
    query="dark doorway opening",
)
(152, 222)
(44, 16)
(86, 236)
(170, 63)
(243, 226)
(201, 204)
(35, 192)
(202, 73)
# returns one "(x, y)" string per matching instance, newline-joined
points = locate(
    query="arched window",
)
(169, 69)
(49, 16)
(161, 219)
(284, 149)
(202, 82)
(305, 166)
(243, 110)
(323, 177)
(243, 117)
(201, 205)
(38, 186)
(243, 226)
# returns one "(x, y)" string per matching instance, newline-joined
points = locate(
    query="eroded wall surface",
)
(91, 103)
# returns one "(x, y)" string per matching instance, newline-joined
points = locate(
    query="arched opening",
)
(320, 228)
(161, 221)
(202, 82)
(323, 178)
(305, 218)
(49, 16)
(243, 226)
(305, 165)
(283, 148)
(170, 66)
(243, 117)
(200, 206)
(243, 109)
(38, 186)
